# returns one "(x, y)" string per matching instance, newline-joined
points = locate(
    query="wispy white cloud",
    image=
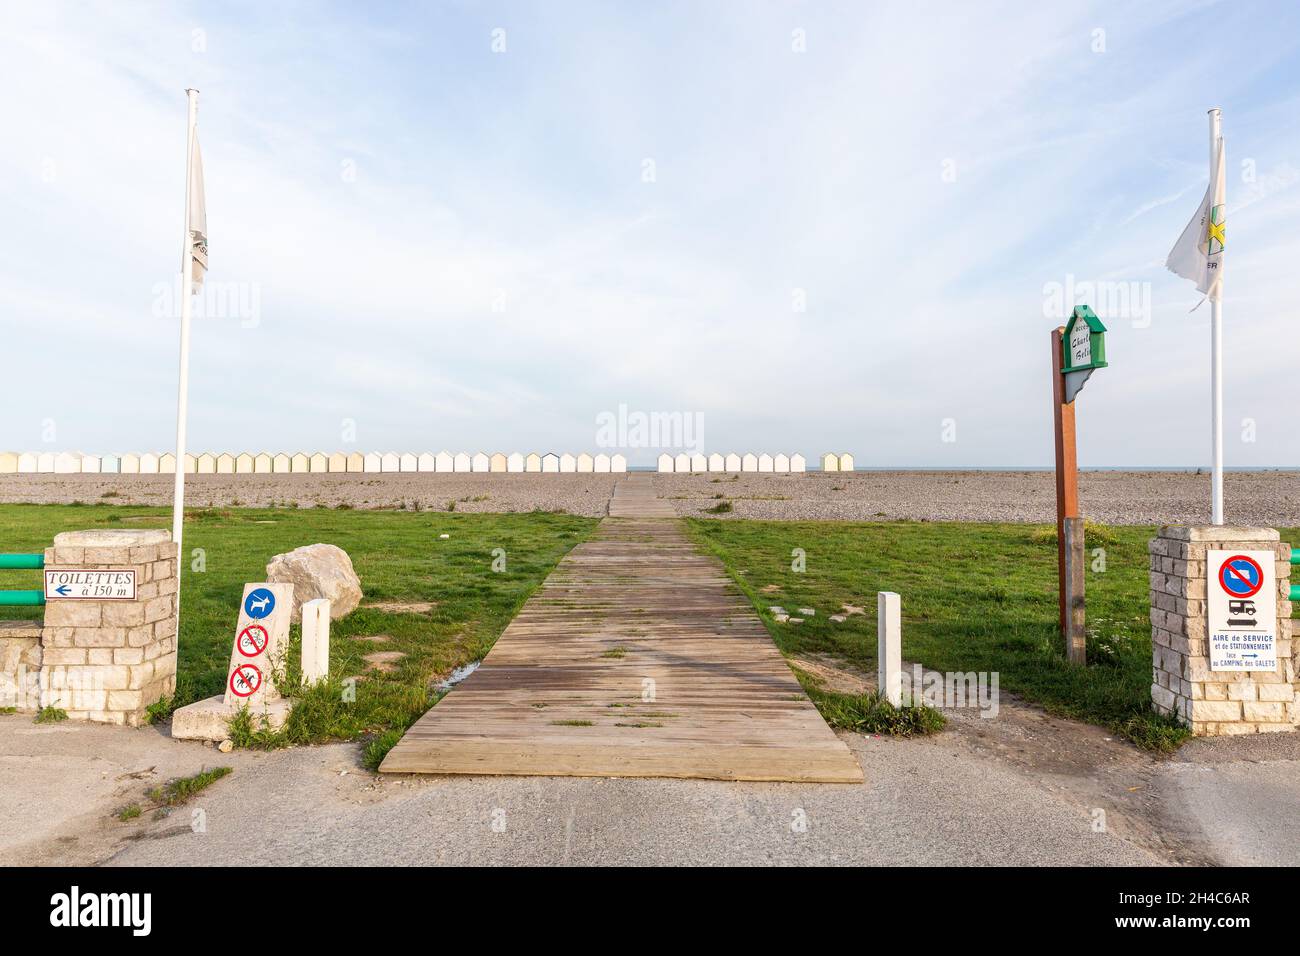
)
(459, 248)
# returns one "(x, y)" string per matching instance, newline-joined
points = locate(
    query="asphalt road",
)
(922, 803)
(920, 806)
(955, 799)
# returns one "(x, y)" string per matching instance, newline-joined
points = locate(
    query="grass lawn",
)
(976, 597)
(399, 558)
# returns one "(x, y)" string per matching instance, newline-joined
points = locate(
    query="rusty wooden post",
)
(1069, 524)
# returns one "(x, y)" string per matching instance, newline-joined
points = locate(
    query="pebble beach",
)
(1268, 498)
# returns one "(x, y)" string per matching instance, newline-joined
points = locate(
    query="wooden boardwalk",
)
(636, 658)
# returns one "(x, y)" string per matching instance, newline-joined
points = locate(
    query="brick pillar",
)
(1214, 703)
(108, 660)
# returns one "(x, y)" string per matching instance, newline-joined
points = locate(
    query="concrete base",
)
(210, 719)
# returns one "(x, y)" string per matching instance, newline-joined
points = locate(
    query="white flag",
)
(198, 218)
(1198, 254)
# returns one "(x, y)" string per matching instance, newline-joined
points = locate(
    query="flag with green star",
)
(1198, 254)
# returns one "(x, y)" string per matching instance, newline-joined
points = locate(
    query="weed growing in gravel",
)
(872, 714)
(51, 715)
(377, 748)
(175, 792)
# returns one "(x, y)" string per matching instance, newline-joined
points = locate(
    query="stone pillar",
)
(20, 664)
(1214, 703)
(108, 660)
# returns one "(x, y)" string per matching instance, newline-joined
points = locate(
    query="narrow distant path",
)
(634, 497)
(637, 658)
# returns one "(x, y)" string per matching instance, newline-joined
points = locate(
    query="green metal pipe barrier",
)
(1295, 592)
(22, 562)
(22, 598)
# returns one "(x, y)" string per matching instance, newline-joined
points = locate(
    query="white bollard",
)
(315, 640)
(889, 647)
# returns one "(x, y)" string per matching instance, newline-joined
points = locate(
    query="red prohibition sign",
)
(257, 638)
(247, 676)
(1227, 569)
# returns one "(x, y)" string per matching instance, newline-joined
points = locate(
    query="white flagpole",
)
(182, 387)
(1216, 357)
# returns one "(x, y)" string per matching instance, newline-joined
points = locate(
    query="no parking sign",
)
(1242, 610)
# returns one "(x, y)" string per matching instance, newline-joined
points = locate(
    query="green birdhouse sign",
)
(1083, 348)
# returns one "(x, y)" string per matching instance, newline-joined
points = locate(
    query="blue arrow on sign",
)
(62, 589)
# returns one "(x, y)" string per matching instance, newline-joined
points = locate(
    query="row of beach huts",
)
(265, 463)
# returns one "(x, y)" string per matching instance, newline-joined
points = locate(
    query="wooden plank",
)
(637, 657)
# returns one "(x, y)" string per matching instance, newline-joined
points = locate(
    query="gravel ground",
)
(586, 494)
(1270, 499)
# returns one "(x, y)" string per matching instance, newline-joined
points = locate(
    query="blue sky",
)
(814, 226)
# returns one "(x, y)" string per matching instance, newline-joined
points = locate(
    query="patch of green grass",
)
(160, 710)
(871, 714)
(129, 812)
(1096, 535)
(721, 508)
(571, 723)
(178, 791)
(975, 597)
(51, 715)
(8, 710)
(399, 558)
(377, 749)
(615, 652)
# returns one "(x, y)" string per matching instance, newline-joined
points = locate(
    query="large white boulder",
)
(317, 571)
